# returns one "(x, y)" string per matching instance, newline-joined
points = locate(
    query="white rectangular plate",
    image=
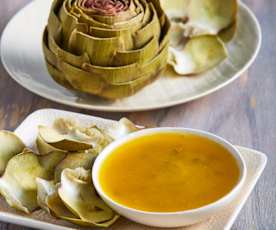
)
(27, 131)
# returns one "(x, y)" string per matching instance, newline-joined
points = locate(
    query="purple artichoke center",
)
(107, 7)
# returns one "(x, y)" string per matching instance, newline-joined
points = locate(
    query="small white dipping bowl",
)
(169, 219)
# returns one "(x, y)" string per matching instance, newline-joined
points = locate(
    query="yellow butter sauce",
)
(168, 172)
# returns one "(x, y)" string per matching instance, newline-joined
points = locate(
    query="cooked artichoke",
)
(75, 160)
(18, 184)
(199, 54)
(10, 145)
(78, 194)
(109, 48)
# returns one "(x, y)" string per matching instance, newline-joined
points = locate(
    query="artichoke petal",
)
(10, 145)
(45, 189)
(52, 63)
(67, 142)
(75, 160)
(101, 51)
(175, 8)
(127, 76)
(143, 55)
(79, 196)
(144, 34)
(91, 134)
(209, 17)
(121, 128)
(51, 160)
(199, 54)
(57, 208)
(44, 148)
(18, 184)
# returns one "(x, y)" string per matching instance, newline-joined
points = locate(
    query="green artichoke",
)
(109, 48)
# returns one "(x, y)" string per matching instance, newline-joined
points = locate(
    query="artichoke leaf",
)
(140, 56)
(52, 63)
(54, 23)
(67, 142)
(57, 208)
(45, 189)
(100, 50)
(75, 160)
(44, 148)
(69, 23)
(175, 8)
(18, 184)
(152, 28)
(83, 81)
(121, 128)
(126, 74)
(64, 55)
(125, 35)
(10, 145)
(79, 196)
(199, 55)
(58, 76)
(91, 134)
(130, 88)
(50, 161)
(209, 17)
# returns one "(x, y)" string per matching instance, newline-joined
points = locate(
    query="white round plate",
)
(21, 52)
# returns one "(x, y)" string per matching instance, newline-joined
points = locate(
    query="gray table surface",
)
(243, 112)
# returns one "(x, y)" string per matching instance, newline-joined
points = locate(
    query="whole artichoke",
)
(109, 48)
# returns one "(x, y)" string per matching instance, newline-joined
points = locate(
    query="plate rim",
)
(107, 108)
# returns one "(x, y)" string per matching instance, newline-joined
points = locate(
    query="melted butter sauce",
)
(168, 172)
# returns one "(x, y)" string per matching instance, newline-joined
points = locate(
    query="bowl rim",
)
(151, 131)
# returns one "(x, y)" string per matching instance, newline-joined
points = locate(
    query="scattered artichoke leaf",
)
(44, 148)
(79, 196)
(90, 134)
(59, 210)
(75, 160)
(209, 17)
(45, 189)
(68, 142)
(199, 55)
(50, 161)
(175, 8)
(121, 128)
(10, 145)
(18, 184)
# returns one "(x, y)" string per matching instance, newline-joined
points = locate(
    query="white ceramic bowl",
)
(169, 219)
